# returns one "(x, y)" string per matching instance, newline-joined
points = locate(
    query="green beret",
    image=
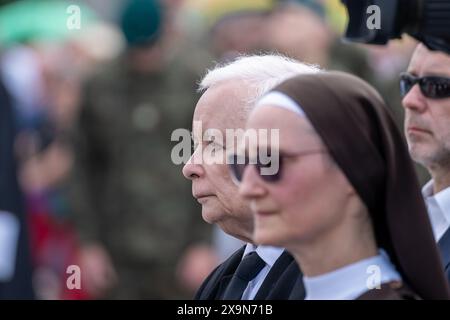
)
(141, 22)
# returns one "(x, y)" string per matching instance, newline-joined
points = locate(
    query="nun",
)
(344, 199)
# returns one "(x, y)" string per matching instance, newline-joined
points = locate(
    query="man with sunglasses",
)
(425, 89)
(230, 91)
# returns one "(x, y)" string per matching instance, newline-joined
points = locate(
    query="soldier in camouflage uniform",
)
(128, 196)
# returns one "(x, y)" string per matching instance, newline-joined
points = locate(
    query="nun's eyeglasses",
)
(238, 163)
(431, 87)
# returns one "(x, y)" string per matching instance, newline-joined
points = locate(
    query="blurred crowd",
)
(91, 111)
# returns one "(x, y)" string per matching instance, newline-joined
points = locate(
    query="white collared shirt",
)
(351, 281)
(438, 207)
(270, 256)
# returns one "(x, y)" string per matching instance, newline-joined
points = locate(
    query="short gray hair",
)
(261, 72)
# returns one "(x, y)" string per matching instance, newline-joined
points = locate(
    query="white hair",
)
(261, 72)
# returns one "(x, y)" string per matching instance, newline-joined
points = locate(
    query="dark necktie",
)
(247, 270)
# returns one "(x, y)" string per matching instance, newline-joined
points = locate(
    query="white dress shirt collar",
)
(438, 206)
(267, 253)
(351, 281)
(270, 255)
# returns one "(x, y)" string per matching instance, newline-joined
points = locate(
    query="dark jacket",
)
(282, 282)
(394, 290)
(444, 248)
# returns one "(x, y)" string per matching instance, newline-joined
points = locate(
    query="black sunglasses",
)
(238, 163)
(431, 87)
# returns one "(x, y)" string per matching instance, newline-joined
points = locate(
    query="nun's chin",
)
(270, 233)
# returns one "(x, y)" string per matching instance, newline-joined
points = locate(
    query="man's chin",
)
(210, 215)
(420, 154)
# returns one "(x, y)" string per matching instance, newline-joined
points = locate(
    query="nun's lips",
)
(264, 213)
(260, 211)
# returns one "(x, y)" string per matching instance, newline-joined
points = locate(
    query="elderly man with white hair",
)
(229, 94)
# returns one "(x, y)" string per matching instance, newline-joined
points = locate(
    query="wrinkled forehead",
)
(426, 62)
(223, 106)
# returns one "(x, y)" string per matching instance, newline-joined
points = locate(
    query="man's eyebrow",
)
(437, 69)
(209, 134)
(434, 68)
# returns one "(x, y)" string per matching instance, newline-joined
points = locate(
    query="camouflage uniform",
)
(127, 193)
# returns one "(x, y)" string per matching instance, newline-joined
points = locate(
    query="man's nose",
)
(415, 100)
(193, 168)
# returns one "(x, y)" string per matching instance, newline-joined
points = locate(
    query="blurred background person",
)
(50, 62)
(15, 260)
(304, 30)
(133, 210)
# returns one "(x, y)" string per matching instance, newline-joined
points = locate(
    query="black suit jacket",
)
(444, 248)
(284, 280)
